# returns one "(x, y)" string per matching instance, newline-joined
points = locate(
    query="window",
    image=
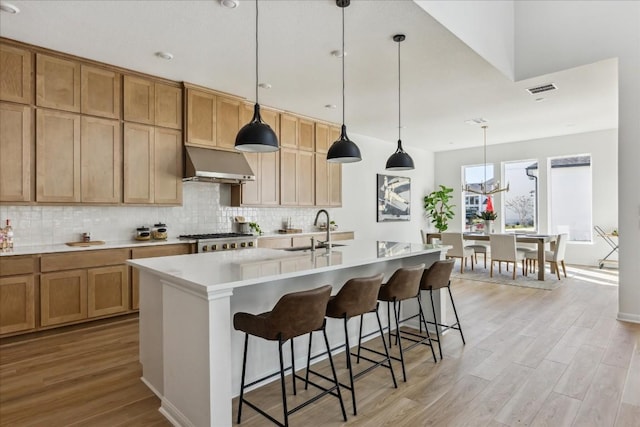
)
(474, 177)
(521, 201)
(570, 196)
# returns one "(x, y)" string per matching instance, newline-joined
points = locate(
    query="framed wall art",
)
(394, 198)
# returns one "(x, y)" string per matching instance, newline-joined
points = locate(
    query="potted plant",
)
(488, 217)
(437, 207)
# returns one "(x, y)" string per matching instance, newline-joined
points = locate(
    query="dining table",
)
(539, 239)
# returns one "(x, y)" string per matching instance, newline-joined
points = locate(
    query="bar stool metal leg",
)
(456, 314)
(347, 353)
(386, 350)
(244, 371)
(282, 385)
(435, 320)
(293, 368)
(333, 371)
(404, 372)
(360, 335)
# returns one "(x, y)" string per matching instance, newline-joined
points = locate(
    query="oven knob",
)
(234, 245)
(205, 248)
(250, 244)
(214, 247)
(225, 246)
(243, 244)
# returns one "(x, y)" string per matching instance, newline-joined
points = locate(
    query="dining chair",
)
(458, 249)
(423, 235)
(552, 257)
(479, 248)
(503, 249)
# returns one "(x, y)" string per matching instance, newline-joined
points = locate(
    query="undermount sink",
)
(308, 248)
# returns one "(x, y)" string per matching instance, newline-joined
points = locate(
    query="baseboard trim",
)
(173, 415)
(152, 388)
(629, 317)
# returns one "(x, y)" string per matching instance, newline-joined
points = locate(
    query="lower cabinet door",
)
(63, 297)
(108, 290)
(17, 311)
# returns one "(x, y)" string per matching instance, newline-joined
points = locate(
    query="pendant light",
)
(485, 188)
(256, 136)
(400, 160)
(343, 150)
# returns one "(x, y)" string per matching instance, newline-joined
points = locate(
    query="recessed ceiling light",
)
(231, 4)
(338, 53)
(9, 8)
(477, 121)
(165, 55)
(265, 85)
(330, 106)
(540, 99)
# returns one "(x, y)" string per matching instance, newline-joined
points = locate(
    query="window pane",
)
(571, 196)
(474, 177)
(520, 202)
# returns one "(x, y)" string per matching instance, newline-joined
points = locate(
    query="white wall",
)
(601, 145)
(206, 208)
(359, 192)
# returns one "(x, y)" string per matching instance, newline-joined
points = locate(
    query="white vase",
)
(488, 226)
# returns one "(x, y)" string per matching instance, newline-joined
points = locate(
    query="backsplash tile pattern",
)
(205, 209)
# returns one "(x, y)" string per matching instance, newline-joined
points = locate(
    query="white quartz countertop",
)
(222, 271)
(46, 249)
(272, 234)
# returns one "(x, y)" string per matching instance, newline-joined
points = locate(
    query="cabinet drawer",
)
(275, 242)
(165, 250)
(73, 260)
(10, 266)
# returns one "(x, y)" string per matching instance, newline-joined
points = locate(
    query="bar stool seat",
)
(295, 314)
(356, 298)
(404, 284)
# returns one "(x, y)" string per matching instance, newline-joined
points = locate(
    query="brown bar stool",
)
(356, 298)
(404, 284)
(295, 314)
(436, 277)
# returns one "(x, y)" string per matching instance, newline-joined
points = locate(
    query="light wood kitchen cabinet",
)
(101, 160)
(151, 252)
(322, 138)
(297, 177)
(58, 156)
(63, 297)
(265, 190)
(152, 103)
(229, 115)
(152, 165)
(328, 184)
(15, 152)
(107, 290)
(17, 294)
(296, 132)
(283, 242)
(76, 286)
(201, 118)
(16, 68)
(100, 92)
(57, 83)
(306, 178)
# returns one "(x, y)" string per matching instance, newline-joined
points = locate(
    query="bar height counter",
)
(190, 355)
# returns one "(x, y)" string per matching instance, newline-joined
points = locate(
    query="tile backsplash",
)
(205, 208)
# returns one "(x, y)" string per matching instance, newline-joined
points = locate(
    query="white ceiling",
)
(444, 82)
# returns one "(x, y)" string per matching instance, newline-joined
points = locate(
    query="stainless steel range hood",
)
(209, 165)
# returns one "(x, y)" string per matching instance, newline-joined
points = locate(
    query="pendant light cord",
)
(256, 51)
(484, 128)
(399, 103)
(343, 55)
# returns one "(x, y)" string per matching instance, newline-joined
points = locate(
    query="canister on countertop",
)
(159, 231)
(143, 233)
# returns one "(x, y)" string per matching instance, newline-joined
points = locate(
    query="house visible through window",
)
(521, 201)
(474, 177)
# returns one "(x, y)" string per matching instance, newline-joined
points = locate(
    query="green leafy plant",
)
(487, 215)
(255, 227)
(437, 207)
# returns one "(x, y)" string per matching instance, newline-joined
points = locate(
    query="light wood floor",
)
(533, 357)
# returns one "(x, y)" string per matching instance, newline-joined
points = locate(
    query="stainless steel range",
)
(222, 241)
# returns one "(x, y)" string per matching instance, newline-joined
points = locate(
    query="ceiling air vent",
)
(477, 121)
(543, 88)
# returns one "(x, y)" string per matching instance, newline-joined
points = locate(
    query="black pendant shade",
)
(400, 160)
(256, 136)
(343, 150)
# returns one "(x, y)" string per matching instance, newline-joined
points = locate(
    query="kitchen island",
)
(190, 355)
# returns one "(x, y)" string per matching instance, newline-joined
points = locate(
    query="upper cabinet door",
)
(201, 118)
(138, 163)
(228, 122)
(306, 135)
(167, 167)
(15, 152)
(101, 160)
(15, 75)
(100, 90)
(288, 131)
(168, 106)
(139, 100)
(57, 83)
(322, 138)
(58, 156)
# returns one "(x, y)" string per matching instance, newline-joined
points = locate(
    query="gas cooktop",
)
(213, 236)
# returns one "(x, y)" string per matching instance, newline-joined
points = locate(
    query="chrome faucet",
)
(327, 243)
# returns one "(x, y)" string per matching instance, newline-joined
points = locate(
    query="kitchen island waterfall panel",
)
(190, 354)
